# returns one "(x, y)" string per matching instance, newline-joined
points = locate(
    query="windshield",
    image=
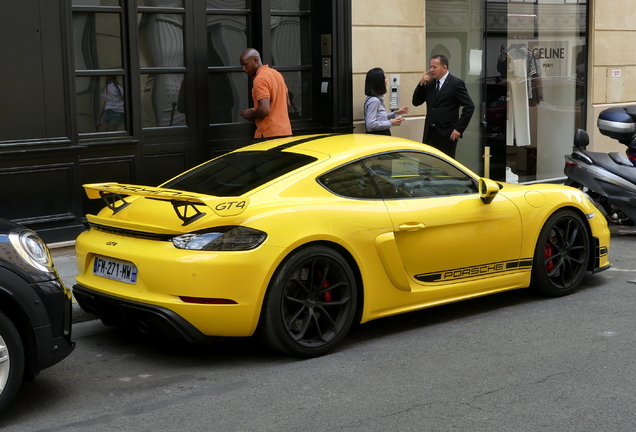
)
(237, 173)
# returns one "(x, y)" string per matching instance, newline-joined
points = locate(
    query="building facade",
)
(536, 70)
(136, 91)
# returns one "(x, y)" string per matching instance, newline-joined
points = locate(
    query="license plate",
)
(116, 270)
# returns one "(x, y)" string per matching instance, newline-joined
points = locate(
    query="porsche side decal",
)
(475, 271)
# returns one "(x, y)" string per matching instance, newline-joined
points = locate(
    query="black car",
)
(35, 310)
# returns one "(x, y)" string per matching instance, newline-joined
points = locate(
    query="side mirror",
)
(581, 138)
(488, 189)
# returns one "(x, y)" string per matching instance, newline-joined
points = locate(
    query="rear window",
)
(237, 173)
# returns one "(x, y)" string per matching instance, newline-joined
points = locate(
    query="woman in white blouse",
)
(377, 120)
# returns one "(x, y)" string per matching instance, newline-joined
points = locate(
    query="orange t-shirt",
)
(269, 83)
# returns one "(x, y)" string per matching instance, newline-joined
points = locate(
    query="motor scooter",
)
(608, 178)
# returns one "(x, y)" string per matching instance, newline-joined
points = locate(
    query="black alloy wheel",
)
(310, 304)
(11, 362)
(561, 255)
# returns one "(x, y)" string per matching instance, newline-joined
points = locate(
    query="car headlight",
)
(32, 249)
(222, 239)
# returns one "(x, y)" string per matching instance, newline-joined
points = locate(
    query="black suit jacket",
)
(443, 107)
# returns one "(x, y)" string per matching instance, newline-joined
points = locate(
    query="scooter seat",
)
(620, 159)
(605, 160)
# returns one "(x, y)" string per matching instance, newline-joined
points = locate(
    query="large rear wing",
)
(184, 203)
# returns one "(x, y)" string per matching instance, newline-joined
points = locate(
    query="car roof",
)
(338, 144)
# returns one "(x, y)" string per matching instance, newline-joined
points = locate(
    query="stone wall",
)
(612, 63)
(390, 35)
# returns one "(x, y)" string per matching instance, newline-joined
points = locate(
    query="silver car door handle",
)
(412, 226)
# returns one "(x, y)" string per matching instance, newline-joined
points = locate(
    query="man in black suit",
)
(443, 94)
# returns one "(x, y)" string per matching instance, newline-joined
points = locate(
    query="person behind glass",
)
(377, 120)
(270, 97)
(111, 114)
(444, 94)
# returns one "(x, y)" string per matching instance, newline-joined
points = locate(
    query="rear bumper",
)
(114, 311)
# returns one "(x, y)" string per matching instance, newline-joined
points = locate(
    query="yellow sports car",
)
(295, 239)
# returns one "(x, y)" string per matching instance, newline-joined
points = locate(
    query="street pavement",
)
(513, 361)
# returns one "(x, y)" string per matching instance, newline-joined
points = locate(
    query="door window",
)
(418, 175)
(351, 181)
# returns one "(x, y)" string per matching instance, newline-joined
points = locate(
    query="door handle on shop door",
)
(412, 226)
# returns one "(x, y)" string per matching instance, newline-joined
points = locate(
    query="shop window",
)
(100, 84)
(161, 32)
(228, 35)
(290, 5)
(100, 103)
(229, 26)
(291, 52)
(95, 2)
(537, 85)
(162, 100)
(160, 3)
(161, 40)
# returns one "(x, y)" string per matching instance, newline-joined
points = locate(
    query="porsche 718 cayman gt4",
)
(298, 238)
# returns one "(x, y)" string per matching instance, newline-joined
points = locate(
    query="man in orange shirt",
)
(270, 95)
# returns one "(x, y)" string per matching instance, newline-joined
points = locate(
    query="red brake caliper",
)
(547, 253)
(327, 295)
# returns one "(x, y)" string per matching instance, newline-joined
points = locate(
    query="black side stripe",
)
(300, 141)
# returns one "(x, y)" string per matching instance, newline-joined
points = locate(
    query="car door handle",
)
(412, 226)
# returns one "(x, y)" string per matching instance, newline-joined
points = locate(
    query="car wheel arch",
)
(546, 281)
(587, 226)
(20, 320)
(346, 255)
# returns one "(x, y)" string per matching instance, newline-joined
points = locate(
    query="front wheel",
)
(310, 303)
(11, 362)
(561, 255)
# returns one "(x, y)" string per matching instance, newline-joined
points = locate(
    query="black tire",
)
(561, 255)
(301, 319)
(11, 362)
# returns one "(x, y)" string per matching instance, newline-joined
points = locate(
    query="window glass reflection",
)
(290, 5)
(163, 100)
(298, 84)
(101, 104)
(535, 86)
(290, 44)
(160, 3)
(95, 2)
(228, 4)
(227, 38)
(97, 40)
(161, 40)
(227, 93)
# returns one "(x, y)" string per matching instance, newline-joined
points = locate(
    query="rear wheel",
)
(310, 303)
(561, 254)
(11, 362)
